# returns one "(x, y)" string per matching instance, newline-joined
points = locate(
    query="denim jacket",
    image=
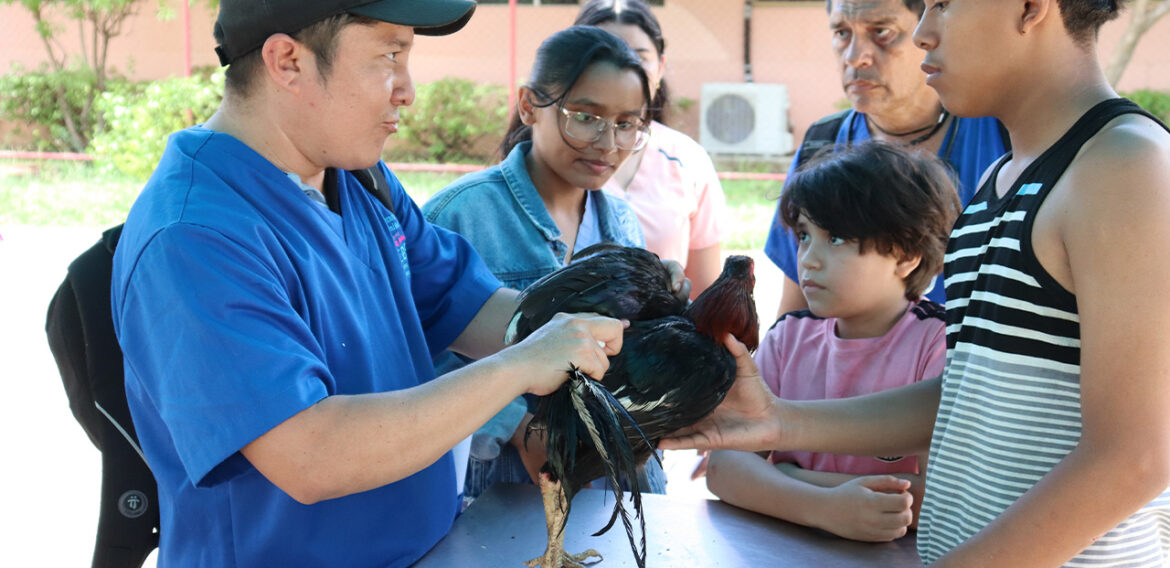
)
(499, 211)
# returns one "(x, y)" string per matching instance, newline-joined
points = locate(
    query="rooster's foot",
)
(566, 560)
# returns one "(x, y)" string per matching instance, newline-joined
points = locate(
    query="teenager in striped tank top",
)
(1052, 440)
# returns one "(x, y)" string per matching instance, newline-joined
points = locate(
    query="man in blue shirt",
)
(278, 321)
(882, 77)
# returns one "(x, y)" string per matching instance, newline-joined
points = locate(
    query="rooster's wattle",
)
(672, 371)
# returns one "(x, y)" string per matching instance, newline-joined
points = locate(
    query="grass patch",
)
(422, 185)
(81, 194)
(63, 193)
(751, 205)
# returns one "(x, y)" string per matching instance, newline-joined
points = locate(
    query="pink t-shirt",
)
(801, 358)
(676, 194)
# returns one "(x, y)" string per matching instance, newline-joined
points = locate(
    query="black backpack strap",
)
(1003, 135)
(822, 133)
(374, 182)
(81, 337)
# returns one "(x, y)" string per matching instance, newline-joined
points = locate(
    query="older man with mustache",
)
(882, 77)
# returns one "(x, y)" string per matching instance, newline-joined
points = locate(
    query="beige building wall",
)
(789, 45)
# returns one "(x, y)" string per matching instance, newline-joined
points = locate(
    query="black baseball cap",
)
(244, 25)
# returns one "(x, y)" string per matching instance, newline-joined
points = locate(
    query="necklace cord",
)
(934, 128)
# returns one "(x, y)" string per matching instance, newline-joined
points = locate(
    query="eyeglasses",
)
(587, 127)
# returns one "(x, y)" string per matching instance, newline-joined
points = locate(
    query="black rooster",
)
(672, 371)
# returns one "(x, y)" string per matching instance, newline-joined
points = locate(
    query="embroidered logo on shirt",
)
(399, 239)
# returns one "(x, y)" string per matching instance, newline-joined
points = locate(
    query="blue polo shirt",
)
(238, 303)
(969, 147)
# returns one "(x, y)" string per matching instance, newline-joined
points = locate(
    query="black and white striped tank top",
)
(1010, 408)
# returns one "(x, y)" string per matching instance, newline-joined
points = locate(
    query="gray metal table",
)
(506, 526)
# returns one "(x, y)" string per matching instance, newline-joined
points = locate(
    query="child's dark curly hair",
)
(901, 203)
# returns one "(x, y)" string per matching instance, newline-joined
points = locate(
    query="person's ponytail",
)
(517, 132)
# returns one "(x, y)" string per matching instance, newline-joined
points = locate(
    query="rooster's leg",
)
(554, 513)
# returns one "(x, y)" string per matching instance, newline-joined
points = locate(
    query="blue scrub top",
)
(238, 303)
(969, 147)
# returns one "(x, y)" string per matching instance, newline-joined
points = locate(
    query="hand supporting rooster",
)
(892, 422)
(748, 419)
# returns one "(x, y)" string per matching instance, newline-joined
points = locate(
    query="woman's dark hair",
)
(636, 13)
(560, 62)
(898, 202)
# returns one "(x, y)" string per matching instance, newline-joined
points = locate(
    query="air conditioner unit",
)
(745, 118)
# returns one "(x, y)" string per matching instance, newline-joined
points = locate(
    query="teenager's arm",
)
(1109, 219)
(872, 508)
(349, 444)
(892, 422)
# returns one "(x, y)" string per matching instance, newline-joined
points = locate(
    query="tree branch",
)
(1144, 15)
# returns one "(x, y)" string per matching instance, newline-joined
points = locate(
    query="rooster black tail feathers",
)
(602, 417)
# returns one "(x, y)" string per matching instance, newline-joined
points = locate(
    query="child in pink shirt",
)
(872, 224)
(802, 346)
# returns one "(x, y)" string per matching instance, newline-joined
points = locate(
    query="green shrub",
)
(139, 120)
(1156, 102)
(683, 104)
(455, 120)
(41, 100)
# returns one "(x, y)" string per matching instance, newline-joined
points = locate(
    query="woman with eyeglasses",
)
(583, 111)
(671, 182)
